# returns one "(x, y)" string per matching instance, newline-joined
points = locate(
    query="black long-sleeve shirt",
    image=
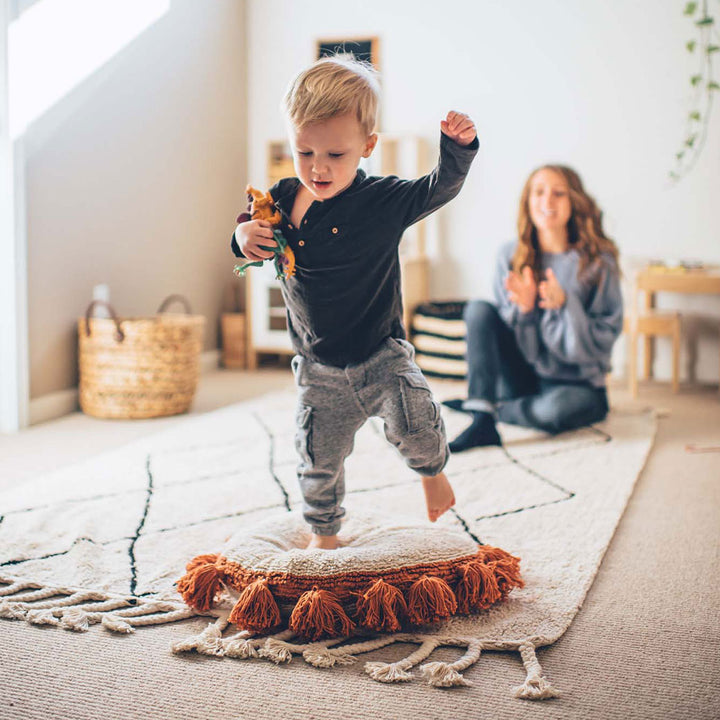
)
(344, 299)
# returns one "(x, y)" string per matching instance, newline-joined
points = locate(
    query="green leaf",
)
(691, 141)
(680, 155)
(690, 45)
(690, 8)
(695, 115)
(712, 49)
(705, 21)
(695, 80)
(674, 175)
(713, 85)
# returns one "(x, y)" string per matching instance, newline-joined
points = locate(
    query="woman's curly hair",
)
(585, 231)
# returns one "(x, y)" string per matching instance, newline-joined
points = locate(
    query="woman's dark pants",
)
(498, 373)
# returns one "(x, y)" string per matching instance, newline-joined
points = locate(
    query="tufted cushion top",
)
(369, 544)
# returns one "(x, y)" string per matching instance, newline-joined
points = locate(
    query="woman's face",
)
(549, 201)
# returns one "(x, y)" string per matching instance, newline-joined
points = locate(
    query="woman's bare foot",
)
(439, 495)
(323, 542)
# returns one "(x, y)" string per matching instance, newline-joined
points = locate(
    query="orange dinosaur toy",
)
(262, 207)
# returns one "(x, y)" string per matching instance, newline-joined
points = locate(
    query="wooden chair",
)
(652, 324)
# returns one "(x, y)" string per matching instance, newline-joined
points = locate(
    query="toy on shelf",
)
(262, 207)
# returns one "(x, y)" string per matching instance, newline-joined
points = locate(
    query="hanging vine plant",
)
(704, 45)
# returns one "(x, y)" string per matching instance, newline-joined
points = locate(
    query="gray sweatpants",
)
(333, 403)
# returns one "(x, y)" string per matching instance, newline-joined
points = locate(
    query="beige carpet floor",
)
(645, 645)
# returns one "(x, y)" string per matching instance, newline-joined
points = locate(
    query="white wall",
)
(134, 179)
(601, 85)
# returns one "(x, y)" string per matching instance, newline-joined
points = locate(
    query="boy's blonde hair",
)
(331, 86)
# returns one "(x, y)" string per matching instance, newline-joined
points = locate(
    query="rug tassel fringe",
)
(322, 656)
(398, 671)
(208, 642)
(12, 586)
(536, 686)
(279, 651)
(20, 606)
(153, 613)
(441, 674)
(241, 645)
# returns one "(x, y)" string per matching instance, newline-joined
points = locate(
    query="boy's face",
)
(327, 154)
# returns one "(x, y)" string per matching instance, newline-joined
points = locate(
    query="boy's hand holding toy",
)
(259, 239)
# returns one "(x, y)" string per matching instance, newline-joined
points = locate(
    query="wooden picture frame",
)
(366, 49)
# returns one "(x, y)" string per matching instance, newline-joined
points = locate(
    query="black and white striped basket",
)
(438, 334)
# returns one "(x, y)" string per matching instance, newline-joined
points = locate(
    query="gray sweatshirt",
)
(574, 342)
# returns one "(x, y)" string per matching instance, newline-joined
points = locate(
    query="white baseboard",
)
(57, 404)
(53, 405)
(209, 361)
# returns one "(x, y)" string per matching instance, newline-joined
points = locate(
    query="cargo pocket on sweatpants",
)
(303, 434)
(420, 410)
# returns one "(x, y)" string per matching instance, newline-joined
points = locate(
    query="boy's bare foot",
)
(323, 542)
(439, 495)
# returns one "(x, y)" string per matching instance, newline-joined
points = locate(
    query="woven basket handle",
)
(119, 334)
(171, 299)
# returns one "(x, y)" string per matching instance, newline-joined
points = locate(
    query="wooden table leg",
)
(632, 339)
(649, 340)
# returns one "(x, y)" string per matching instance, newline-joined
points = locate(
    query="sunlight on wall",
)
(56, 44)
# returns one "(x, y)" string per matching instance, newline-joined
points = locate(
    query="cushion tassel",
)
(379, 606)
(507, 574)
(476, 588)
(495, 553)
(430, 599)
(256, 608)
(319, 613)
(202, 582)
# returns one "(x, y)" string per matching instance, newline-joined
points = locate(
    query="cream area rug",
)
(103, 542)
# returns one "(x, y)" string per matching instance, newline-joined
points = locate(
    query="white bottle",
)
(101, 292)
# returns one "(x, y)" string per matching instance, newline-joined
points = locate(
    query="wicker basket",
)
(139, 367)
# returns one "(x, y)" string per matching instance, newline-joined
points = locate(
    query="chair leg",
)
(648, 356)
(676, 358)
(632, 364)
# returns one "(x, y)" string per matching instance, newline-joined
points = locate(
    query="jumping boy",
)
(343, 305)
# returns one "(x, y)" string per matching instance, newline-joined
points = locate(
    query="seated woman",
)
(539, 355)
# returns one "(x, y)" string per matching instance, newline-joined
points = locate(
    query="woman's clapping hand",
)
(552, 296)
(522, 289)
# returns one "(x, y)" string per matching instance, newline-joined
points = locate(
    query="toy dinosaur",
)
(262, 207)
